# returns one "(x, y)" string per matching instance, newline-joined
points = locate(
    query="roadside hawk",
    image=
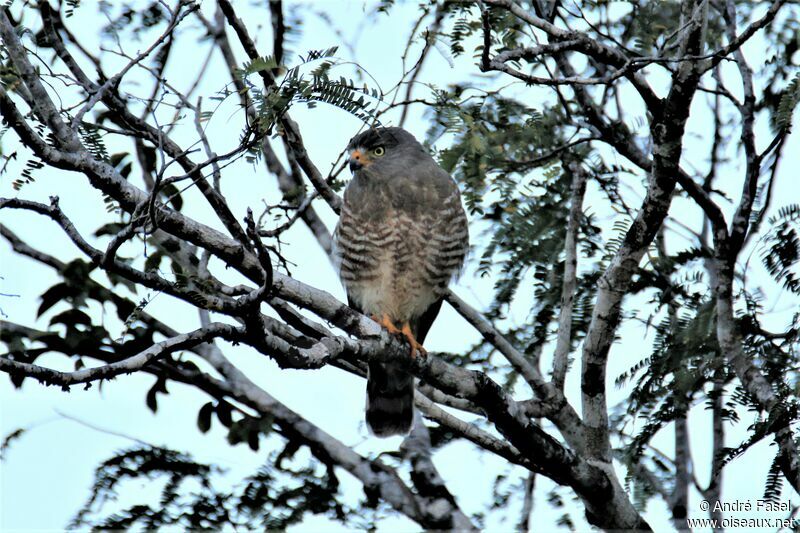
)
(402, 236)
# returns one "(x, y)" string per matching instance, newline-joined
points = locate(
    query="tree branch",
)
(558, 408)
(291, 133)
(440, 505)
(126, 366)
(115, 103)
(564, 341)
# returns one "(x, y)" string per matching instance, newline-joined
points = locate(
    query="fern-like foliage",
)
(275, 497)
(299, 85)
(781, 247)
(787, 104)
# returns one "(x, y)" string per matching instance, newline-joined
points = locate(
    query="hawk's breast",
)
(399, 261)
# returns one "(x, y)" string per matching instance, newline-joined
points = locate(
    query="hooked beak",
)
(356, 160)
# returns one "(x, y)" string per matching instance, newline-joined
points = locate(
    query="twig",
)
(527, 503)
(262, 292)
(112, 82)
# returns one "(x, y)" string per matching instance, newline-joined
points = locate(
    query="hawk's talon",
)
(416, 347)
(405, 332)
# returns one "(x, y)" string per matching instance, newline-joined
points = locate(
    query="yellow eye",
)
(379, 151)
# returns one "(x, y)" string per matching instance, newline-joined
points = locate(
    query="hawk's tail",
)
(390, 399)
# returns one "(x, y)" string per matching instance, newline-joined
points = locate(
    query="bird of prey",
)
(401, 237)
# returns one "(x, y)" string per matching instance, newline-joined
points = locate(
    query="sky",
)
(45, 475)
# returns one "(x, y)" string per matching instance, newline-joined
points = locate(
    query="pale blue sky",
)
(46, 474)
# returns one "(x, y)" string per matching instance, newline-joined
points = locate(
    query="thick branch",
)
(377, 478)
(440, 505)
(470, 432)
(148, 279)
(753, 380)
(667, 132)
(547, 455)
(559, 409)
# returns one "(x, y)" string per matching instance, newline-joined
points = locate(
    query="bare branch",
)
(289, 182)
(278, 28)
(495, 338)
(753, 380)
(114, 81)
(376, 477)
(626, 67)
(564, 341)
(527, 503)
(560, 411)
(431, 34)
(741, 219)
(441, 506)
(291, 133)
(470, 432)
(437, 396)
(736, 42)
(123, 115)
(219, 303)
(42, 104)
(126, 366)
(21, 247)
(667, 132)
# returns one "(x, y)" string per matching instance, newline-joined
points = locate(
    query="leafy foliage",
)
(274, 497)
(309, 88)
(781, 249)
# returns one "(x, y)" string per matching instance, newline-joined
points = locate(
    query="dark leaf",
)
(71, 318)
(53, 295)
(204, 417)
(224, 413)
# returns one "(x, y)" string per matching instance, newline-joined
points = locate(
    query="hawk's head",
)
(382, 147)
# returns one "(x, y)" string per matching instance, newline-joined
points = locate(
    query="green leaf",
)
(124, 309)
(112, 228)
(117, 158)
(153, 261)
(252, 439)
(789, 100)
(151, 400)
(260, 64)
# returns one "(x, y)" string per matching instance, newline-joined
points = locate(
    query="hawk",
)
(401, 237)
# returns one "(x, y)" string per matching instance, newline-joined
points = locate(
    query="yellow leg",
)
(416, 347)
(406, 332)
(387, 323)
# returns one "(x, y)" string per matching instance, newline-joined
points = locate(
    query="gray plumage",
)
(401, 238)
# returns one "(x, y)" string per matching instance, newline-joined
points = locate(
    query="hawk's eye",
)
(379, 151)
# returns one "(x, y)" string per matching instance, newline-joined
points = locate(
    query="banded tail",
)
(390, 399)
